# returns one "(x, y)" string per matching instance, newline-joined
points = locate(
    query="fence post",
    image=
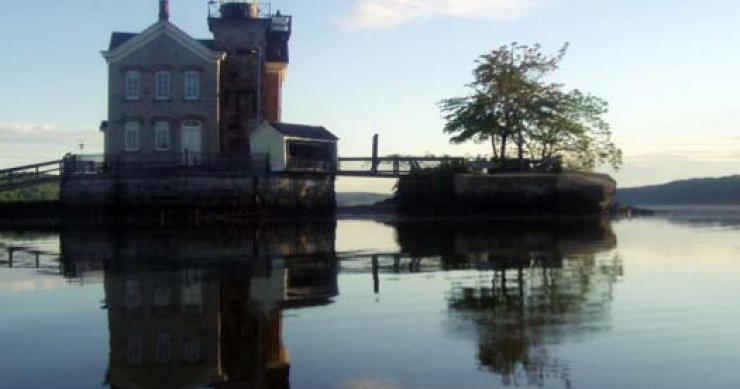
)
(376, 277)
(375, 154)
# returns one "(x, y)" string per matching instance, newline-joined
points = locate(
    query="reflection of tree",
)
(544, 282)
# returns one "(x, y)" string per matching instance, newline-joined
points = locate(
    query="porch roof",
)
(303, 131)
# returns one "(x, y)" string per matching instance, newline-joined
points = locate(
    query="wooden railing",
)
(140, 166)
(30, 175)
(397, 166)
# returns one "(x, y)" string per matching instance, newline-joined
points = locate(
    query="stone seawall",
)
(306, 192)
(559, 192)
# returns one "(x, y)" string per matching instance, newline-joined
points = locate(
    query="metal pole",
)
(376, 277)
(375, 154)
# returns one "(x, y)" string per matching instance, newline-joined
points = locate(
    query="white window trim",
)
(159, 127)
(159, 93)
(186, 88)
(130, 127)
(128, 80)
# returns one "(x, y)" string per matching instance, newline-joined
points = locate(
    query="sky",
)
(361, 67)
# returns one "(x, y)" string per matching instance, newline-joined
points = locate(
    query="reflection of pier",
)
(23, 257)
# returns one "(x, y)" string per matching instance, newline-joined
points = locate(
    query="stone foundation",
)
(559, 192)
(306, 192)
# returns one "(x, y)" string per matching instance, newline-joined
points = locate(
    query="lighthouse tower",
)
(256, 45)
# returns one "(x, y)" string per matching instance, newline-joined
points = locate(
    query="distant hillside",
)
(711, 191)
(351, 199)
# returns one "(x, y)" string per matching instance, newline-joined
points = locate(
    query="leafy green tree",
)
(573, 129)
(512, 105)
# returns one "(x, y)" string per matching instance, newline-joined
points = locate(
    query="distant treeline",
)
(351, 199)
(39, 193)
(711, 191)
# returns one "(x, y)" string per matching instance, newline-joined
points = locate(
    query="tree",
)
(512, 104)
(574, 130)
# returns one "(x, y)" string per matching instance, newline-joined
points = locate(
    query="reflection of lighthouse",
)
(177, 328)
(204, 307)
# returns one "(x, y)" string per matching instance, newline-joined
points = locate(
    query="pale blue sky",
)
(667, 67)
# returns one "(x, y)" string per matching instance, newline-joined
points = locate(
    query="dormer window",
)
(192, 85)
(162, 85)
(132, 85)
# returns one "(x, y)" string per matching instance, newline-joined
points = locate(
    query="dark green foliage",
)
(39, 193)
(513, 106)
(429, 190)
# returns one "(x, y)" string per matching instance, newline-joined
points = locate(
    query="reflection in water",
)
(205, 308)
(547, 283)
(719, 216)
(198, 308)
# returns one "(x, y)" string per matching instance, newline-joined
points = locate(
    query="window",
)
(162, 136)
(132, 294)
(192, 291)
(134, 349)
(131, 136)
(132, 85)
(161, 296)
(164, 348)
(191, 350)
(162, 85)
(192, 85)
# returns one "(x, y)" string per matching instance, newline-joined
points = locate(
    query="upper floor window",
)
(162, 136)
(132, 85)
(134, 350)
(162, 85)
(164, 347)
(132, 293)
(192, 85)
(131, 136)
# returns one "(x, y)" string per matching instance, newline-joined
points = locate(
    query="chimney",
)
(164, 10)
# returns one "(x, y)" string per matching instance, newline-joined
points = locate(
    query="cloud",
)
(25, 143)
(379, 14)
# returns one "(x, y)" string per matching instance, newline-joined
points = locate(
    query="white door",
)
(192, 143)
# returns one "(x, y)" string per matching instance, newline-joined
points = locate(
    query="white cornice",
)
(153, 32)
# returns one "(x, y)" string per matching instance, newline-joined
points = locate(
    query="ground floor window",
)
(162, 136)
(131, 136)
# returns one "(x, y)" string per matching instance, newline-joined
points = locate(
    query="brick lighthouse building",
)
(174, 99)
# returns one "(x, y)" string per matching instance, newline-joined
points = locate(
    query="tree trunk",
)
(493, 147)
(503, 148)
(520, 148)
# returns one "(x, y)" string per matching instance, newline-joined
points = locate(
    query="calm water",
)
(647, 303)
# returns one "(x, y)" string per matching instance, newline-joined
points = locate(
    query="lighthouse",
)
(255, 41)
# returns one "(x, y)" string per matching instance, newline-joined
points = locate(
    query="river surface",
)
(361, 304)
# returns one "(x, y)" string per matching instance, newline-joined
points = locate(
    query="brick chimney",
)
(164, 10)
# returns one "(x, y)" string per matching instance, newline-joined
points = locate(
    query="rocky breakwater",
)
(538, 192)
